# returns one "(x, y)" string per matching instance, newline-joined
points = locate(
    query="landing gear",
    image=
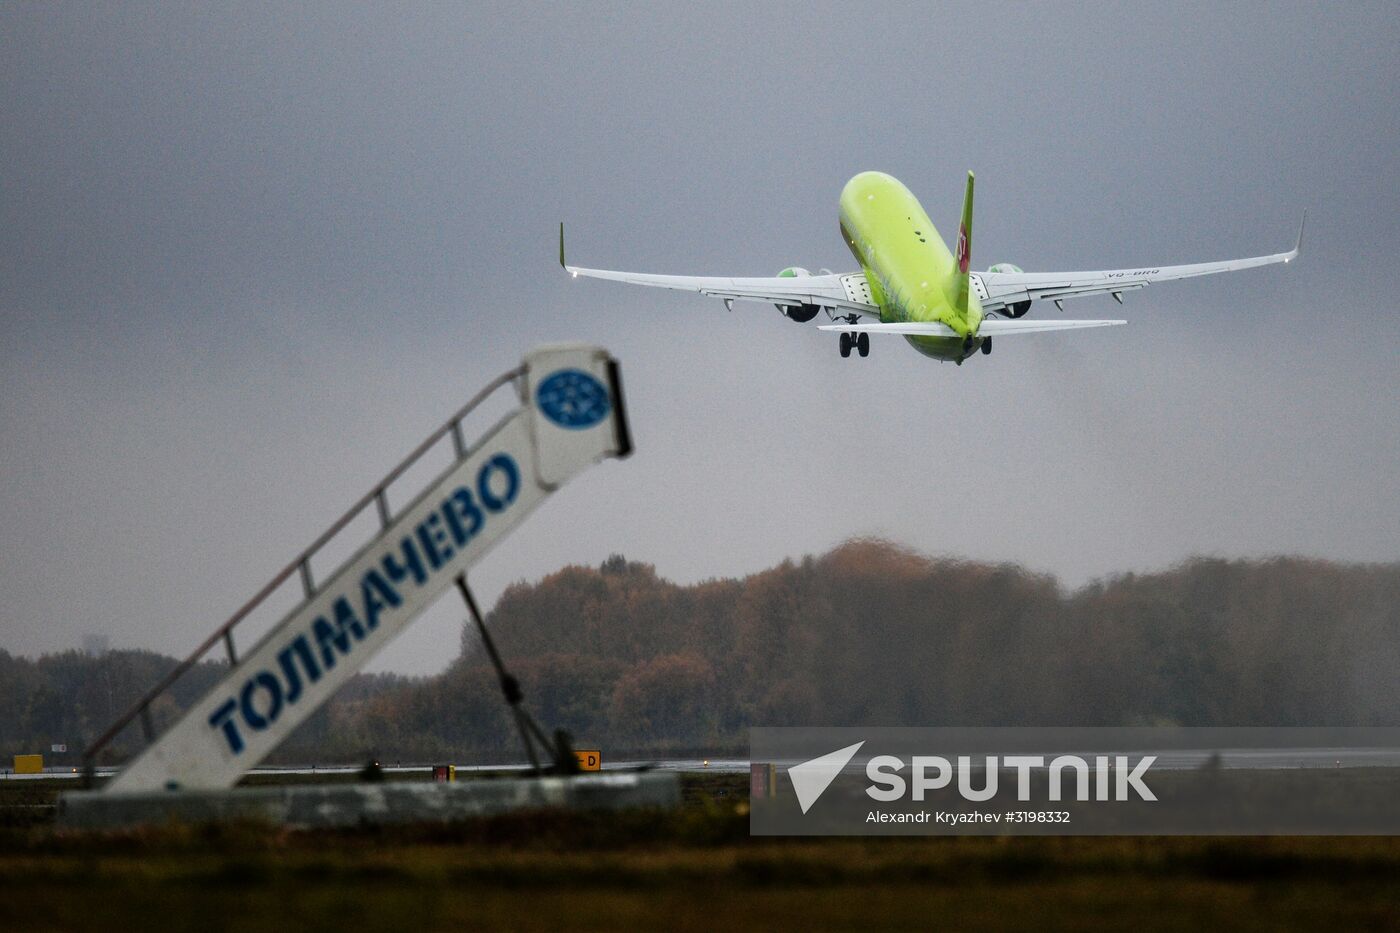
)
(986, 346)
(858, 342)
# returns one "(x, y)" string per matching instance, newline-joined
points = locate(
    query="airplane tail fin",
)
(962, 257)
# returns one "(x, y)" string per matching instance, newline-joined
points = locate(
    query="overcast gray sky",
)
(250, 255)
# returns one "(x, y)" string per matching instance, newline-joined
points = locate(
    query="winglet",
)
(1298, 246)
(561, 245)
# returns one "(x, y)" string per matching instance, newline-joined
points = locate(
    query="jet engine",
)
(799, 313)
(1020, 308)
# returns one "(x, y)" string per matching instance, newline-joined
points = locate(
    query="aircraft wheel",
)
(845, 345)
(863, 344)
(987, 346)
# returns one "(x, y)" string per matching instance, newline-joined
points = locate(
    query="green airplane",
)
(911, 285)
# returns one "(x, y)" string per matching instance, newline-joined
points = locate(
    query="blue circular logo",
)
(573, 399)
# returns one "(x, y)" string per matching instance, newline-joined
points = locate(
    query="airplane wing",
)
(989, 328)
(848, 293)
(1000, 291)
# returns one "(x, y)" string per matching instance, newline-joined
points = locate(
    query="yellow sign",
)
(29, 764)
(589, 759)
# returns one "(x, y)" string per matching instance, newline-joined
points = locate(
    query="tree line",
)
(869, 633)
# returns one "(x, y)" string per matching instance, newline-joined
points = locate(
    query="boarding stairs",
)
(570, 416)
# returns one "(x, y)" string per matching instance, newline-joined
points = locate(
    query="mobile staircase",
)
(570, 416)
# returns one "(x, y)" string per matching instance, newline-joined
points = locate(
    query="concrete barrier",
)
(338, 805)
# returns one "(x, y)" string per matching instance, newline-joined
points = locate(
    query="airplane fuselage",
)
(912, 275)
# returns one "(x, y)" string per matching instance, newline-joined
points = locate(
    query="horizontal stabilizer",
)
(989, 328)
(997, 328)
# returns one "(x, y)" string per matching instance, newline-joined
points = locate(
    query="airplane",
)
(912, 286)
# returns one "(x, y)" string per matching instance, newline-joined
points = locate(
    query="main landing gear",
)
(860, 342)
